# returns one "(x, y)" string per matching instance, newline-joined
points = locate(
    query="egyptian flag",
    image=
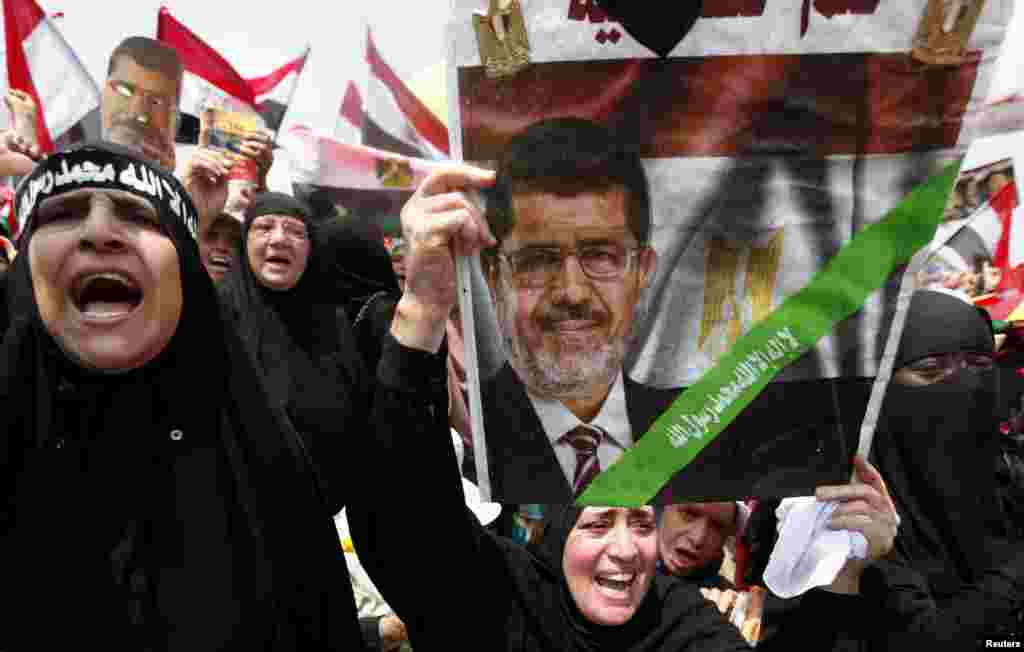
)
(320, 166)
(395, 119)
(41, 63)
(351, 116)
(210, 77)
(345, 179)
(272, 93)
(367, 170)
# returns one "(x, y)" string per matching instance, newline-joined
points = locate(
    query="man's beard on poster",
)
(134, 133)
(555, 375)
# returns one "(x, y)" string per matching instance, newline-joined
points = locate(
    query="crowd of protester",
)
(199, 392)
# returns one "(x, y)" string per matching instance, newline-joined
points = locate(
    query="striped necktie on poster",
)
(584, 440)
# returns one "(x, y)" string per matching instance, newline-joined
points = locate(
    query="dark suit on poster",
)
(793, 437)
(521, 463)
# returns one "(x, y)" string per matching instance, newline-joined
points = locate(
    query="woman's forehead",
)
(601, 512)
(86, 195)
(278, 217)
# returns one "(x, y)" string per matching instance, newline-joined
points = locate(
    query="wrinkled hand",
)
(239, 199)
(439, 222)
(14, 161)
(21, 138)
(12, 143)
(866, 507)
(259, 146)
(206, 179)
(393, 632)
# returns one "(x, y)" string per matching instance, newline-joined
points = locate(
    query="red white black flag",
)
(395, 119)
(40, 63)
(210, 80)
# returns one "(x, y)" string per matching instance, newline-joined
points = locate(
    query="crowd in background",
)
(230, 422)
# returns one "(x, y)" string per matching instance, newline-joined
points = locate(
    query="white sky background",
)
(258, 37)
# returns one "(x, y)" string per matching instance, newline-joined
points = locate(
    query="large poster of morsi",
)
(664, 221)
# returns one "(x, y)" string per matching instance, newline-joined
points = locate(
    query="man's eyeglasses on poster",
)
(128, 90)
(538, 267)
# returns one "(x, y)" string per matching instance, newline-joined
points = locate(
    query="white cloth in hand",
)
(808, 553)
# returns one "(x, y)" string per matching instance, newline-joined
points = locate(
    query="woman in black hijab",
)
(954, 575)
(152, 497)
(583, 613)
(282, 300)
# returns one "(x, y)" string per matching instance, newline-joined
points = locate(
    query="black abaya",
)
(302, 348)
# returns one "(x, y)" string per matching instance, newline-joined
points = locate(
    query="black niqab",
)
(936, 446)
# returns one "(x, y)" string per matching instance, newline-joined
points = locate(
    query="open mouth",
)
(686, 557)
(278, 260)
(620, 582)
(106, 294)
(220, 263)
(571, 325)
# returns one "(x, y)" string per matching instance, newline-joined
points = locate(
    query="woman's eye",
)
(56, 216)
(643, 522)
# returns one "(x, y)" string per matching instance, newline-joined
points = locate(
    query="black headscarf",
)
(362, 281)
(672, 616)
(936, 446)
(357, 263)
(106, 496)
(305, 353)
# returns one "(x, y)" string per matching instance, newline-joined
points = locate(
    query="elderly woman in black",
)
(153, 497)
(280, 299)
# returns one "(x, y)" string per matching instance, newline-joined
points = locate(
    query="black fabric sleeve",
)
(988, 608)
(411, 526)
(371, 633)
(825, 621)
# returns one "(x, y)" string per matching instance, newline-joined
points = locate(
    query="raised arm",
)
(411, 528)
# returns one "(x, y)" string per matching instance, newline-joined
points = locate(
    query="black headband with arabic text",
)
(105, 166)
